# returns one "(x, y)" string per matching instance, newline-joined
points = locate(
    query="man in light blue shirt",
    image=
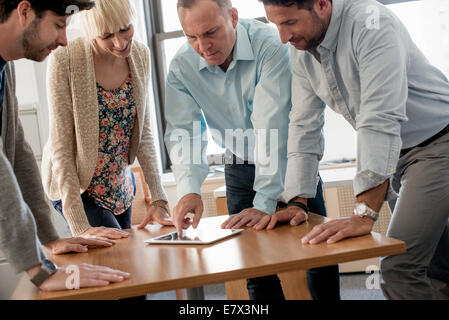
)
(358, 58)
(236, 77)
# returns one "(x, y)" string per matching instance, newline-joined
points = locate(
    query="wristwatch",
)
(299, 205)
(161, 204)
(362, 210)
(47, 269)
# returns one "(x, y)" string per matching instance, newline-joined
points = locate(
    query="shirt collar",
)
(331, 39)
(242, 49)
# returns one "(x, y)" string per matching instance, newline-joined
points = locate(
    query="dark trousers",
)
(99, 216)
(323, 283)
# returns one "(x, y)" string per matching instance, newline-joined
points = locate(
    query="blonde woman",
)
(99, 124)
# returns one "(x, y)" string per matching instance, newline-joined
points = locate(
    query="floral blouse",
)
(111, 186)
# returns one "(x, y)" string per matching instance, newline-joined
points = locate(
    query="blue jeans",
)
(99, 216)
(323, 283)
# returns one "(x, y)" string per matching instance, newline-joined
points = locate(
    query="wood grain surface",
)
(156, 268)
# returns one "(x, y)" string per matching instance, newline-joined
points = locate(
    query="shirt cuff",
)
(188, 186)
(301, 178)
(366, 180)
(303, 189)
(264, 204)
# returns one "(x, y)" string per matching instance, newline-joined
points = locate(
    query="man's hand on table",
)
(105, 233)
(90, 276)
(348, 227)
(294, 215)
(247, 218)
(190, 203)
(155, 214)
(77, 244)
(339, 229)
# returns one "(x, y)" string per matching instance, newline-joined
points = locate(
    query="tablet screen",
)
(199, 236)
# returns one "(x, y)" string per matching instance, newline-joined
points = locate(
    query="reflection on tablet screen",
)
(197, 236)
(174, 236)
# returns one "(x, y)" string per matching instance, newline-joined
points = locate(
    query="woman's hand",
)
(105, 233)
(78, 244)
(156, 214)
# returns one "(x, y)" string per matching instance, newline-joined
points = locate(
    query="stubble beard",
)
(29, 43)
(313, 43)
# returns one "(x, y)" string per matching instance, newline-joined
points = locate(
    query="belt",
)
(428, 141)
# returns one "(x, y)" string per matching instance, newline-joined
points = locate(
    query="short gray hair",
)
(223, 4)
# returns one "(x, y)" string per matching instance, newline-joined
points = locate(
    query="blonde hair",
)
(107, 17)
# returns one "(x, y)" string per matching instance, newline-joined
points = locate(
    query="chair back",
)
(142, 198)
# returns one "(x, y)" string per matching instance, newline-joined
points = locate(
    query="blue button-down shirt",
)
(254, 93)
(372, 74)
(2, 88)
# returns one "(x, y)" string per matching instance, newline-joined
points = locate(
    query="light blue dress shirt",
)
(372, 74)
(254, 93)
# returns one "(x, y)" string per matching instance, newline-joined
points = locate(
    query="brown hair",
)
(59, 7)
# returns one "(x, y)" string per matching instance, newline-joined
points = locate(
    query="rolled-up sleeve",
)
(185, 137)
(384, 90)
(305, 137)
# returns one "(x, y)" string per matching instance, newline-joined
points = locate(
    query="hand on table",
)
(89, 276)
(77, 244)
(156, 214)
(105, 233)
(247, 218)
(339, 229)
(190, 203)
(294, 215)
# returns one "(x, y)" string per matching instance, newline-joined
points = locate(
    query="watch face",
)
(361, 208)
(49, 265)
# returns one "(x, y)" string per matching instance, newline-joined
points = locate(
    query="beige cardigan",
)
(70, 155)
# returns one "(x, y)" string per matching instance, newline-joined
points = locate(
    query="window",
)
(428, 24)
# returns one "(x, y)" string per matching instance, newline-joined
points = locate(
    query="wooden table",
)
(156, 268)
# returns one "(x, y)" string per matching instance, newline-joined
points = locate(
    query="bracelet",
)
(300, 205)
(159, 203)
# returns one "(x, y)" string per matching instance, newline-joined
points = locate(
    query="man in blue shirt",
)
(236, 77)
(358, 58)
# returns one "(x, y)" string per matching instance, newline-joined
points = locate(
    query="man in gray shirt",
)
(358, 58)
(31, 29)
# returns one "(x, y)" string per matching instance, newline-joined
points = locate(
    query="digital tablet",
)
(194, 236)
